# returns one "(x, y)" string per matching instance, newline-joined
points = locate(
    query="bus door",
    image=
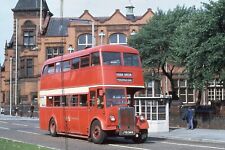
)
(96, 103)
(83, 113)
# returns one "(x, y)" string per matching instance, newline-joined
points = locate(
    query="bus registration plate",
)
(126, 132)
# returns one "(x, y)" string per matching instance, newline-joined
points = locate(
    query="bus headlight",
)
(142, 118)
(112, 118)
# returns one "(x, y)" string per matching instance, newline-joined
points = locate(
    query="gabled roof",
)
(31, 5)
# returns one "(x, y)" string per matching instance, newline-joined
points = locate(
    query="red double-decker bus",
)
(85, 94)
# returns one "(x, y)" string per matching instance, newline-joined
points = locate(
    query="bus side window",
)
(49, 101)
(75, 63)
(45, 70)
(58, 67)
(66, 65)
(56, 101)
(95, 60)
(74, 100)
(92, 98)
(84, 61)
(51, 68)
(64, 100)
(83, 100)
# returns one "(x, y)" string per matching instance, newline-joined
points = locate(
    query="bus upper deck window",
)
(130, 59)
(84, 62)
(45, 70)
(58, 67)
(51, 68)
(95, 60)
(66, 65)
(111, 58)
(75, 63)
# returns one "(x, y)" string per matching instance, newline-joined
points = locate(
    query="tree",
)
(200, 45)
(154, 41)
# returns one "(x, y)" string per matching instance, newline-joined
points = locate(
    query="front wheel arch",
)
(97, 135)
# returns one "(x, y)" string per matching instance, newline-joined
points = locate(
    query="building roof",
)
(58, 27)
(30, 5)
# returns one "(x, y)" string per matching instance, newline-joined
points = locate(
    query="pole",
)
(41, 5)
(10, 86)
(167, 80)
(93, 32)
(16, 69)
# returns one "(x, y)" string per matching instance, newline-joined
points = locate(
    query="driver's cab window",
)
(100, 101)
(92, 98)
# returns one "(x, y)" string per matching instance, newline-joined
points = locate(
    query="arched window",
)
(84, 41)
(118, 38)
(29, 35)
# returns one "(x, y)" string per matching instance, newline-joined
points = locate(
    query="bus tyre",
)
(52, 128)
(142, 137)
(97, 134)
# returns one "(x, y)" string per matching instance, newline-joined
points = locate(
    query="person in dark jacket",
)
(190, 118)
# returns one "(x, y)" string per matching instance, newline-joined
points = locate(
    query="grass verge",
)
(6, 144)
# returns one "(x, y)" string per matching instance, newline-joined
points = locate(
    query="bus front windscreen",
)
(115, 97)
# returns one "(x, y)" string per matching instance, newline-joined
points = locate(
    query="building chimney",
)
(130, 12)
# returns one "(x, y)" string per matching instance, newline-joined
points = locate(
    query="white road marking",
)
(190, 145)
(128, 147)
(4, 128)
(28, 132)
(17, 124)
(3, 122)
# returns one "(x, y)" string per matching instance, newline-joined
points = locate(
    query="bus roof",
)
(111, 48)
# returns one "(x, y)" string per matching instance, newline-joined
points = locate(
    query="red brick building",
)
(57, 36)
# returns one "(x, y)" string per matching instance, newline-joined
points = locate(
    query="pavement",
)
(198, 135)
(8, 117)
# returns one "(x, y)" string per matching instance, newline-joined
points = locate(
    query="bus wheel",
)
(97, 134)
(142, 137)
(52, 128)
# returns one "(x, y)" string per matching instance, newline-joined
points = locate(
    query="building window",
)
(185, 93)
(30, 68)
(29, 33)
(53, 52)
(118, 38)
(84, 41)
(215, 91)
(28, 38)
(26, 67)
(152, 110)
(22, 67)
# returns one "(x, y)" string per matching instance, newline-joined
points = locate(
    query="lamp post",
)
(41, 5)
(101, 35)
(70, 48)
(10, 86)
(16, 69)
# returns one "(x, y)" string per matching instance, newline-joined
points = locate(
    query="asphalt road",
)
(28, 131)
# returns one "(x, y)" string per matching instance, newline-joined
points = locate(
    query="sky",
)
(98, 8)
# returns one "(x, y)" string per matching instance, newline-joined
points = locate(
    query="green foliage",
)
(154, 41)
(200, 44)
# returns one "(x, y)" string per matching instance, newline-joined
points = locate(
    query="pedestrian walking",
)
(31, 110)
